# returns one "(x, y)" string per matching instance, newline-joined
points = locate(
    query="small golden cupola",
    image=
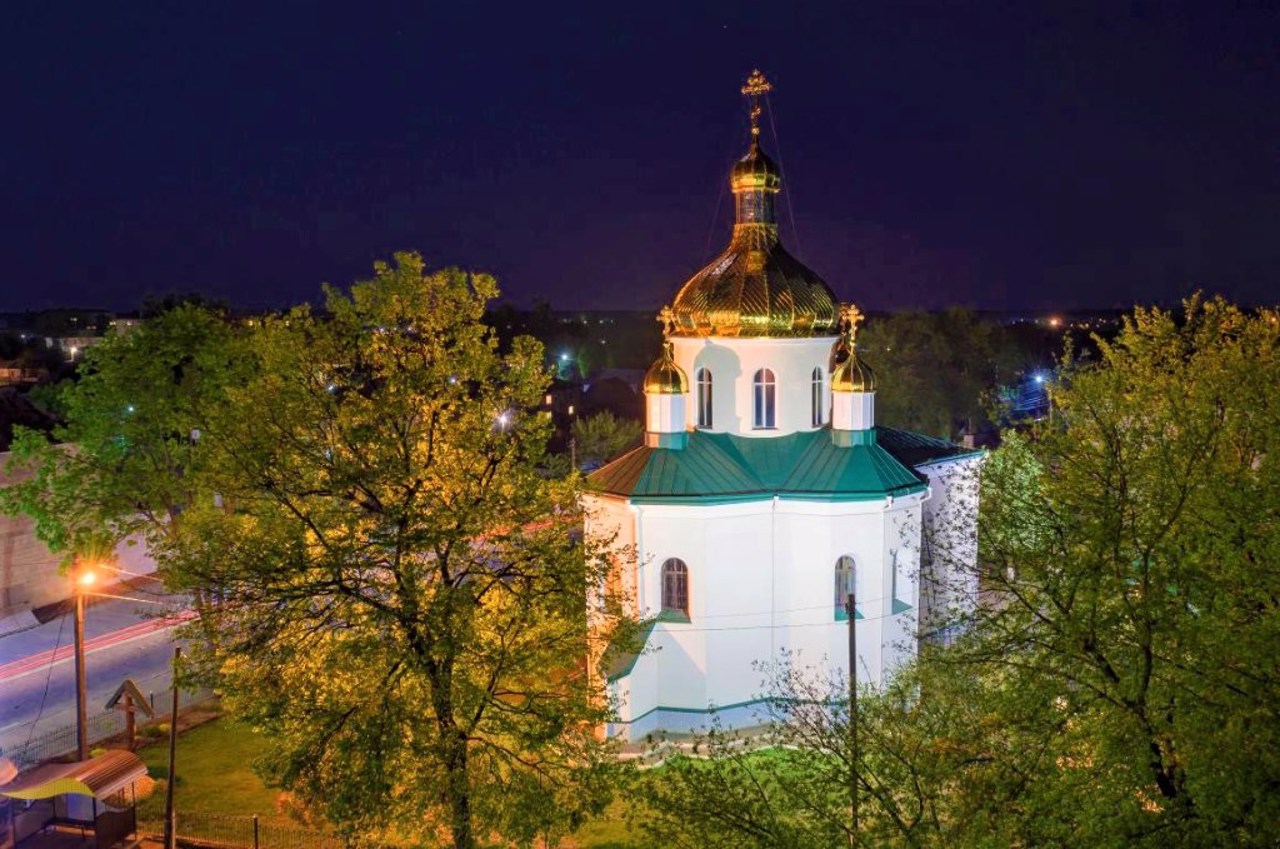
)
(853, 383)
(665, 389)
(754, 288)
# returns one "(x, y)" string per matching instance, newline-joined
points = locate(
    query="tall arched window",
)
(765, 398)
(846, 582)
(704, 397)
(817, 397)
(675, 587)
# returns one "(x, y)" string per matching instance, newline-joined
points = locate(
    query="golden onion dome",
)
(664, 377)
(853, 375)
(754, 287)
(755, 171)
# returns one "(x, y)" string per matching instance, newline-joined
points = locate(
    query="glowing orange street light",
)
(85, 578)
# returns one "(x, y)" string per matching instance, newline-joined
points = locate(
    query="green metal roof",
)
(917, 449)
(812, 465)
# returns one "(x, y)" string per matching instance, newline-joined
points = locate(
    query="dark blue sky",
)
(1003, 155)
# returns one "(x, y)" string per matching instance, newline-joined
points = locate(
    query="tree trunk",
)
(459, 792)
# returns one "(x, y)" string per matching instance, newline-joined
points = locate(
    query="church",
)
(765, 493)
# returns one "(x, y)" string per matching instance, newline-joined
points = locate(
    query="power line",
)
(715, 215)
(779, 627)
(830, 606)
(777, 150)
(53, 658)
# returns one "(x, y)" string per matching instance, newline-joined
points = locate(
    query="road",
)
(123, 639)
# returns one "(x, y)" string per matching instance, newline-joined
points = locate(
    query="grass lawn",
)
(214, 773)
(215, 777)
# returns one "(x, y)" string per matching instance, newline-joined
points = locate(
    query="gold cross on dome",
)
(851, 317)
(667, 318)
(756, 86)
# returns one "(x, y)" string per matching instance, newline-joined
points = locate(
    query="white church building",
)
(765, 492)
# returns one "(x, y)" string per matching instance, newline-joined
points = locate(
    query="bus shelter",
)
(82, 804)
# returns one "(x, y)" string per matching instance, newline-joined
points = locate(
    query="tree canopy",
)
(388, 588)
(121, 462)
(936, 372)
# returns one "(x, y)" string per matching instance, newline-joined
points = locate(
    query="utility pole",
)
(82, 718)
(170, 820)
(850, 609)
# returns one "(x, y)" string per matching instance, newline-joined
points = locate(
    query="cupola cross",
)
(851, 317)
(756, 86)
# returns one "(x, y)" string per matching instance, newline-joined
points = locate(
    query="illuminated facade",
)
(765, 493)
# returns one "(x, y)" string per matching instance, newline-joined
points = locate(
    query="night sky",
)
(1020, 155)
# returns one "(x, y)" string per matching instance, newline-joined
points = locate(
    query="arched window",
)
(846, 582)
(704, 397)
(817, 396)
(675, 587)
(765, 395)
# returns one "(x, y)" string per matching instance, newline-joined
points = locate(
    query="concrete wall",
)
(31, 575)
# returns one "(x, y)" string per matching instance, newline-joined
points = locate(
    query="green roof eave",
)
(898, 492)
(743, 498)
(721, 468)
(967, 454)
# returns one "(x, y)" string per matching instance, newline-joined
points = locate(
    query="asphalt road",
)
(124, 639)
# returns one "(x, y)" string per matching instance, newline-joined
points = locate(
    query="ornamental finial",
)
(851, 317)
(667, 318)
(756, 86)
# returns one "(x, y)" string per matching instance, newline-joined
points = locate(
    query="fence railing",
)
(237, 831)
(61, 741)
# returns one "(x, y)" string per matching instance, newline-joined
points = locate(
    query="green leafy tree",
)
(121, 464)
(1132, 591)
(787, 783)
(937, 372)
(403, 611)
(603, 436)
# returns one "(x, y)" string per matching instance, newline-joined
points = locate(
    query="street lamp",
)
(85, 578)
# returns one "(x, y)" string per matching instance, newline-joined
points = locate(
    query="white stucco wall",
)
(949, 563)
(665, 413)
(761, 583)
(733, 364)
(853, 410)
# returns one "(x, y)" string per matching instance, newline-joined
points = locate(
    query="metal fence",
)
(233, 831)
(61, 741)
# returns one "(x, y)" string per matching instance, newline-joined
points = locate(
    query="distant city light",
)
(1054, 321)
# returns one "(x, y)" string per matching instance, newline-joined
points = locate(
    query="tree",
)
(1131, 554)
(402, 608)
(601, 437)
(936, 371)
(122, 463)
